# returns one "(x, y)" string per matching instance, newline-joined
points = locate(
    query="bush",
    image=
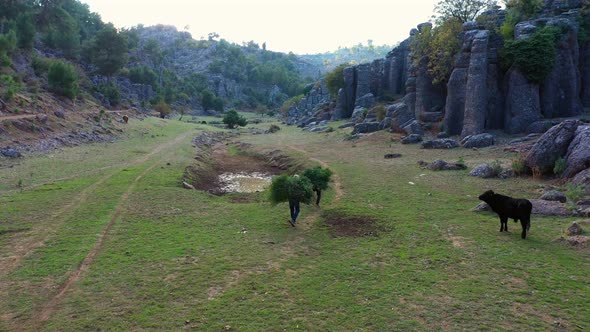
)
(534, 56)
(290, 102)
(143, 75)
(574, 192)
(41, 65)
(497, 167)
(63, 79)
(519, 165)
(9, 87)
(163, 108)
(380, 112)
(559, 167)
(111, 92)
(25, 28)
(233, 119)
(335, 79)
(274, 128)
(319, 177)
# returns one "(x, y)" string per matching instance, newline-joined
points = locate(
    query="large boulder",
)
(484, 171)
(550, 208)
(551, 146)
(540, 127)
(366, 101)
(340, 111)
(582, 179)
(400, 113)
(366, 127)
(358, 115)
(412, 139)
(554, 195)
(363, 80)
(441, 165)
(478, 141)
(578, 152)
(413, 127)
(386, 123)
(10, 152)
(441, 143)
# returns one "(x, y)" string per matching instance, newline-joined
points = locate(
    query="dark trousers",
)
(294, 207)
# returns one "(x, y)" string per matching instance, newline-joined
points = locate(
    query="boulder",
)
(340, 111)
(455, 104)
(442, 135)
(583, 179)
(385, 123)
(441, 143)
(358, 115)
(431, 116)
(400, 113)
(363, 81)
(366, 101)
(554, 195)
(366, 127)
(60, 114)
(550, 208)
(412, 139)
(540, 127)
(484, 171)
(392, 155)
(574, 229)
(10, 152)
(346, 125)
(413, 127)
(318, 129)
(578, 152)
(551, 146)
(441, 165)
(42, 118)
(478, 141)
(483, 206)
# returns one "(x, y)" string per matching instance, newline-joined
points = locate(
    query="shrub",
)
(41, 65)
(534, 56)
(519, 165)
(143, 75)
(25, 28)
(319, 177)
(559, 167)
(111, 92)
(287, 104)
(163, 108)
(497, 167)
(232, 119)
(274, 128)
(9, 87)
(63, 79)
(380, 112)
(574, 192)
(335, 79)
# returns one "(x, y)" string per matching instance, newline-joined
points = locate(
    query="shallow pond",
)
(244, 182)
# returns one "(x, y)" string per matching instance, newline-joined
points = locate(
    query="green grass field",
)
(104, 237)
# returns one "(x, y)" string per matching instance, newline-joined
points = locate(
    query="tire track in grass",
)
(51, 306)
(23, 247)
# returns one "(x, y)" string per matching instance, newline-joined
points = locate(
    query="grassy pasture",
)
(175, 259)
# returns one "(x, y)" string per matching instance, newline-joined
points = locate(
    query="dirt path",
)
(17, 117)
(23, 245)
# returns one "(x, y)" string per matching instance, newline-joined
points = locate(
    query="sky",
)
(300, 26)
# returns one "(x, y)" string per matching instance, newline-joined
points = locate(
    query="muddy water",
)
(244, 182)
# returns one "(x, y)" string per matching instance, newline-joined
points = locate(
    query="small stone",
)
(574, 229)
(187, 185)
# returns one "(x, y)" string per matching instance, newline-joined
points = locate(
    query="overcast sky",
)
(300, 26)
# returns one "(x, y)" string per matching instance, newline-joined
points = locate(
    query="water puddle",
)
(244, 182)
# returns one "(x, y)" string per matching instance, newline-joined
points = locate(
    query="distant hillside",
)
(354, 55)
(62, 48)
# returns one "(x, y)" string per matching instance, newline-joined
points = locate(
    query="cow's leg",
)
(523, 222)
(503, 224)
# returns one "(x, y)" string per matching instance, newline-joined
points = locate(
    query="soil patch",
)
(351, 226)
(217, 161)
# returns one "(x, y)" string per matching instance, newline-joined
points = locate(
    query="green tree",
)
(25, 29)
(108, 51)
(233, 119)
(63, 79)
(462, 10)
(335, 79)
(320, 178)
(163, 109)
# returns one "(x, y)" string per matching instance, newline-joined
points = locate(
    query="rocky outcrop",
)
(582, 179)
(476, 89)
(551, 146)
(523, 105)
(578, 153)
(366, 127)
(441, 143)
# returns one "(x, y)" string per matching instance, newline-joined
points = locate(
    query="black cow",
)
(508, 207)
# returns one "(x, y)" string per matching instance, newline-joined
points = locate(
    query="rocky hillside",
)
(490, 86)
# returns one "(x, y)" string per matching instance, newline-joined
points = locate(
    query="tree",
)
(319, 177)
(233, 119)
(25, 29)
(63, 79)
(163, 109)
(462, 10)
(108, 51)
(335, 79)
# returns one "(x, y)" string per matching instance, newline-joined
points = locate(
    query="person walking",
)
(292, 189)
